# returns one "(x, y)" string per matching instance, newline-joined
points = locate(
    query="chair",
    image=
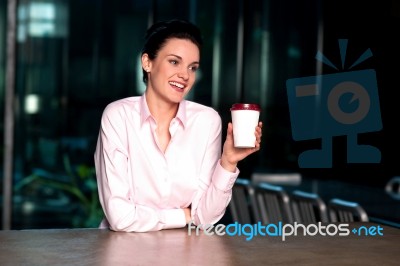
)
(392, 187)
(273, 204)
(278, 179)
(241, 205)
(308, 208)
(346, 211)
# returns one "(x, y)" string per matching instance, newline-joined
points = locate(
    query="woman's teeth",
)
(180, 86)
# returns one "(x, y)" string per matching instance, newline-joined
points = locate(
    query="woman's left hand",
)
(231, 155)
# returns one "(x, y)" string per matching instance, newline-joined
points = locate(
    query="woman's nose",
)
(184, 74)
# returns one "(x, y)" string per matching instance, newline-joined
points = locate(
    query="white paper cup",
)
(245, 118)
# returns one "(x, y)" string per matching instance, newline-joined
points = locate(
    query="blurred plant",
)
(79, 184)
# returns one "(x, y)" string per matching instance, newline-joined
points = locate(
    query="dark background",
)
(251, 49)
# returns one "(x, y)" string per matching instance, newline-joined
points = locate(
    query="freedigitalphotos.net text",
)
(282, 230)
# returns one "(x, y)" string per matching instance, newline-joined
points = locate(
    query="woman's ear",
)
(146, 62)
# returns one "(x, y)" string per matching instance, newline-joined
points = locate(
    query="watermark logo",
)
(339, 104)
(249, 231)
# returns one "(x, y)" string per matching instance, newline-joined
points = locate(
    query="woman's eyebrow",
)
(180, 58)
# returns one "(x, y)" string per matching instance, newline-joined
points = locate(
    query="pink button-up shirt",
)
(142, 188)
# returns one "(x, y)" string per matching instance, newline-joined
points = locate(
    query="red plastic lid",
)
(245, 106)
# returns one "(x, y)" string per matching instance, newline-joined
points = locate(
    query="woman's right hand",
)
(188, 215)
(231, 155)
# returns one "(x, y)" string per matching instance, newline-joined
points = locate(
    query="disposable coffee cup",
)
(245, 118)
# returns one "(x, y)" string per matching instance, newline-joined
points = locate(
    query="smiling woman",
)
(174, 68)
(158, 156)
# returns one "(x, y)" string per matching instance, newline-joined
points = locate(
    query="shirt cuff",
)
(223, 179)
(173, 218)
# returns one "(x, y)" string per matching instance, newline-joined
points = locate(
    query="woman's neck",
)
(162, 111)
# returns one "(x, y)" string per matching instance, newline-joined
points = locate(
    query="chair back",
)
(308, 208)
(393, 187)
(273, 204)
(346, 211)
(241, 205)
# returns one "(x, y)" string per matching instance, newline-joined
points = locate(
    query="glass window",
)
(3, 37)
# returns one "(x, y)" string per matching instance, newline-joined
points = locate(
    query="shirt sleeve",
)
(116, 197)
(215, 191)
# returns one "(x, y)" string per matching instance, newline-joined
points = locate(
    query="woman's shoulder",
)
(194, 107)
(201, 111)
(124, 101)
(122, 104)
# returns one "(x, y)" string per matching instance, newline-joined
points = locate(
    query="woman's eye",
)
(193, 68)
(174, 62)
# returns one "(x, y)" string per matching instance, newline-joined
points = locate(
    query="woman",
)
(158, 156)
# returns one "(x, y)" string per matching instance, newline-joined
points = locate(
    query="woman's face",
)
(173, 72)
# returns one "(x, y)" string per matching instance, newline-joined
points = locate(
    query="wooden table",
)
(176, 247)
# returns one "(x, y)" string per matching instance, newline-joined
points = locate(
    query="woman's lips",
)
(177, 86)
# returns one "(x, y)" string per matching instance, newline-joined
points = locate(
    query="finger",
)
(257, 143)
(258, 137)
(229, 132)
(259, 128)
(230, 126)
(256, 148)
(258, 134)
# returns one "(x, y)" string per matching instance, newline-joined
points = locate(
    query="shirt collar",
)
(145, 112)
(181, 114)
